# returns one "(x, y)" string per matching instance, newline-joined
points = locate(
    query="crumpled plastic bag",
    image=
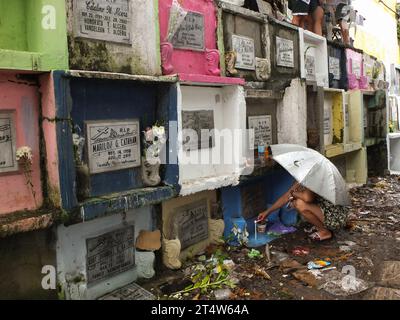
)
(341, 284)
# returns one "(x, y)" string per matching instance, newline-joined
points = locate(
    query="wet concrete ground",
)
(367, 247)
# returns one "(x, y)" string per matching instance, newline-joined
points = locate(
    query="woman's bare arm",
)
(278, 203)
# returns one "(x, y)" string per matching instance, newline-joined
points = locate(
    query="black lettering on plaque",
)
(110, 254)
(190, 34)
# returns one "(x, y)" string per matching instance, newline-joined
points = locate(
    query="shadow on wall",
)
(22, 259)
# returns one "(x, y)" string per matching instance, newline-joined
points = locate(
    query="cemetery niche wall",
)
(337, 64)
(372, 106)
(258, 48)
(241, 205)
(355, 69)
(188, 35)
(314, 58)
(118, 36)
(20, 156)
(101, 163)
(100, 256)
(207, 147)
(33, 35)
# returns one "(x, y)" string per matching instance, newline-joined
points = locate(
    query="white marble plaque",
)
(107, 20)
(110, 253)
(244, 48)
(284, 52)
(112, 145)
(190, 223)
(190, 34)
(262, 126)
(8, 160)
(310, 67)
(334, 67)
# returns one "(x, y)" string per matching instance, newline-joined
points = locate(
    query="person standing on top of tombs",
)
(300, 10)
(322, 214)
(341, 14)
(316, 16)
(308, 14)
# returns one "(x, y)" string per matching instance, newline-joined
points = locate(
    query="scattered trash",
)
(254, 254)
(327, 269)
(280, 256)
(341, 284)
(348, 243)
(278, 229)
(306, 277)
(261, 272)
(318, 264)
(345, 248)
(290, 265)
(229, 264)
(301, 251)
(222, 294)
(149, 240)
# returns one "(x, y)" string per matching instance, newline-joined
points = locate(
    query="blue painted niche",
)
(80, 99)
(241, 204)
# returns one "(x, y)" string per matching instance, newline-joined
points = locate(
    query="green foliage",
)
(211, 275)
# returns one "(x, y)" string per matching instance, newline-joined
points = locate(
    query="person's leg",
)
(297, 20)
(318, 18)
(344, 27)
(314, 215)
(309, 23)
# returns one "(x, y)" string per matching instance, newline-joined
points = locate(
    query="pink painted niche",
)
(355, 70)
(193, 48)
(22, 99)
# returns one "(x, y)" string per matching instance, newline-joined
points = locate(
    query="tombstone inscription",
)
(284, 52)
(112, 145)
(190, 34)
(262, 126)
(7, 143)
(334, 67)
(103, 20)
(244, 48)
(110, 253)
(190, 223)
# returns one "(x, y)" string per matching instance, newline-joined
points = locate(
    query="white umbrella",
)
(312, 170)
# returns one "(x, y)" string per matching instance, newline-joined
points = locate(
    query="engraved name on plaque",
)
(110, 254)
(112, 145)
(284, 52)
(262, 126)
(103, 20)
(190, 223)
(190, 34)
(244, 48)
(334, 67)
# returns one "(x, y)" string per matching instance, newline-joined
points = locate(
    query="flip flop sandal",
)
(316, 237)
(310, 230)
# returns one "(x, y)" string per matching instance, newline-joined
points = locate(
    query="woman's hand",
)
(262, 216)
